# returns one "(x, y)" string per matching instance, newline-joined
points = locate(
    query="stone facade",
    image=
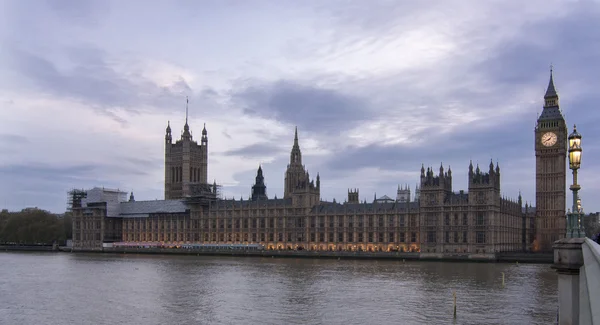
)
(435, 222)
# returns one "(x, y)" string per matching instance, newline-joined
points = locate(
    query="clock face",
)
(549, 139)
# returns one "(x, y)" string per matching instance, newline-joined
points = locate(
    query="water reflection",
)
(130, 289)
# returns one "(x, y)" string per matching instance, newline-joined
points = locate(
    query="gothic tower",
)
(298, 186)
(259, 189)
(295, 170)
(186, 161)
(403, 194)
(550, 170)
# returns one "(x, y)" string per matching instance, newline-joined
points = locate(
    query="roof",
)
(551, 113)
(529, 209)
(457, 198)
(145, 208)
(105, 189)
(551, 91)
(250, 203)
(325, 208)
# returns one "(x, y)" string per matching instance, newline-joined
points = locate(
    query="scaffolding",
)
(74, 197)
(204, 193)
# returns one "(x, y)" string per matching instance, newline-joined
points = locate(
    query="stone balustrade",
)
(577, 262)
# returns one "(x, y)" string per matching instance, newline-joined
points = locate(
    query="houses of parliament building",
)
(434, 221)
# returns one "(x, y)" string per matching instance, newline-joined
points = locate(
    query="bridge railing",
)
(577, 262)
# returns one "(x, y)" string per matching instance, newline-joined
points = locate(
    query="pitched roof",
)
(551, 91)
(551, 113)
(389, 207)
(144, 208)
(228, 203)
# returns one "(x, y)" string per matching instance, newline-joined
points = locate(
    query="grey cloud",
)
(94, 81)
(225, 134)
(45, 186)
(257, 150)
(309, 107)
(13, 139)
(503, 143)
(148, 163)
(83, 13)
(274, 176)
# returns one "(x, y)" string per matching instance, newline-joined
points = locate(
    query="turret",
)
(353, 196)
(443, 181)
(168, 137)
(482, 179)
(259, 189)
(204, 140)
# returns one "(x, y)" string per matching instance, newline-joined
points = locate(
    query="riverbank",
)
(507, 257)
(29, 248)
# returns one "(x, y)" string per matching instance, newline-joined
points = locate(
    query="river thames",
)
(68, 288)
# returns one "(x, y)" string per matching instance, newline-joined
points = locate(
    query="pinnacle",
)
(551, 91)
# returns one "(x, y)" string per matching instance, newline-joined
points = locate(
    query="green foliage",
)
(33, 226)
(592, 227)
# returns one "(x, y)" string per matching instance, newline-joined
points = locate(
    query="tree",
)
(32, 227)
(591, 224)
(68, 225)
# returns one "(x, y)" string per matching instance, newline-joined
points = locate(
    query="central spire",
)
(296, 137)
(187, 101)
(551, 96)
(551, 91)
(296, 154)
(186, 128)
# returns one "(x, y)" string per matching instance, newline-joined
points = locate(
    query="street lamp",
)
(574, 217)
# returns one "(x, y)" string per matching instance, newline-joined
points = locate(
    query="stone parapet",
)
(577, 262)
(568, 256)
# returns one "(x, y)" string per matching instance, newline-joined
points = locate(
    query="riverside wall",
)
(506, 257)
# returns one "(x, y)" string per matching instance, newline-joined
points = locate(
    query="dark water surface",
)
(63, 288)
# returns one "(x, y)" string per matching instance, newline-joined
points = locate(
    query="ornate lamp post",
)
(574, 217)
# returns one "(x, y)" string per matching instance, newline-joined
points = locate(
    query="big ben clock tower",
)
(550, 172)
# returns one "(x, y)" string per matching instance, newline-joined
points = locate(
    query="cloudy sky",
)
(376, 88)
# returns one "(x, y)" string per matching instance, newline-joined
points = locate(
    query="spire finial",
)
(551, 90)
(186, 128)
(296, 135)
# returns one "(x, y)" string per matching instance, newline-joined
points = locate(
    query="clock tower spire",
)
(550, 161)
